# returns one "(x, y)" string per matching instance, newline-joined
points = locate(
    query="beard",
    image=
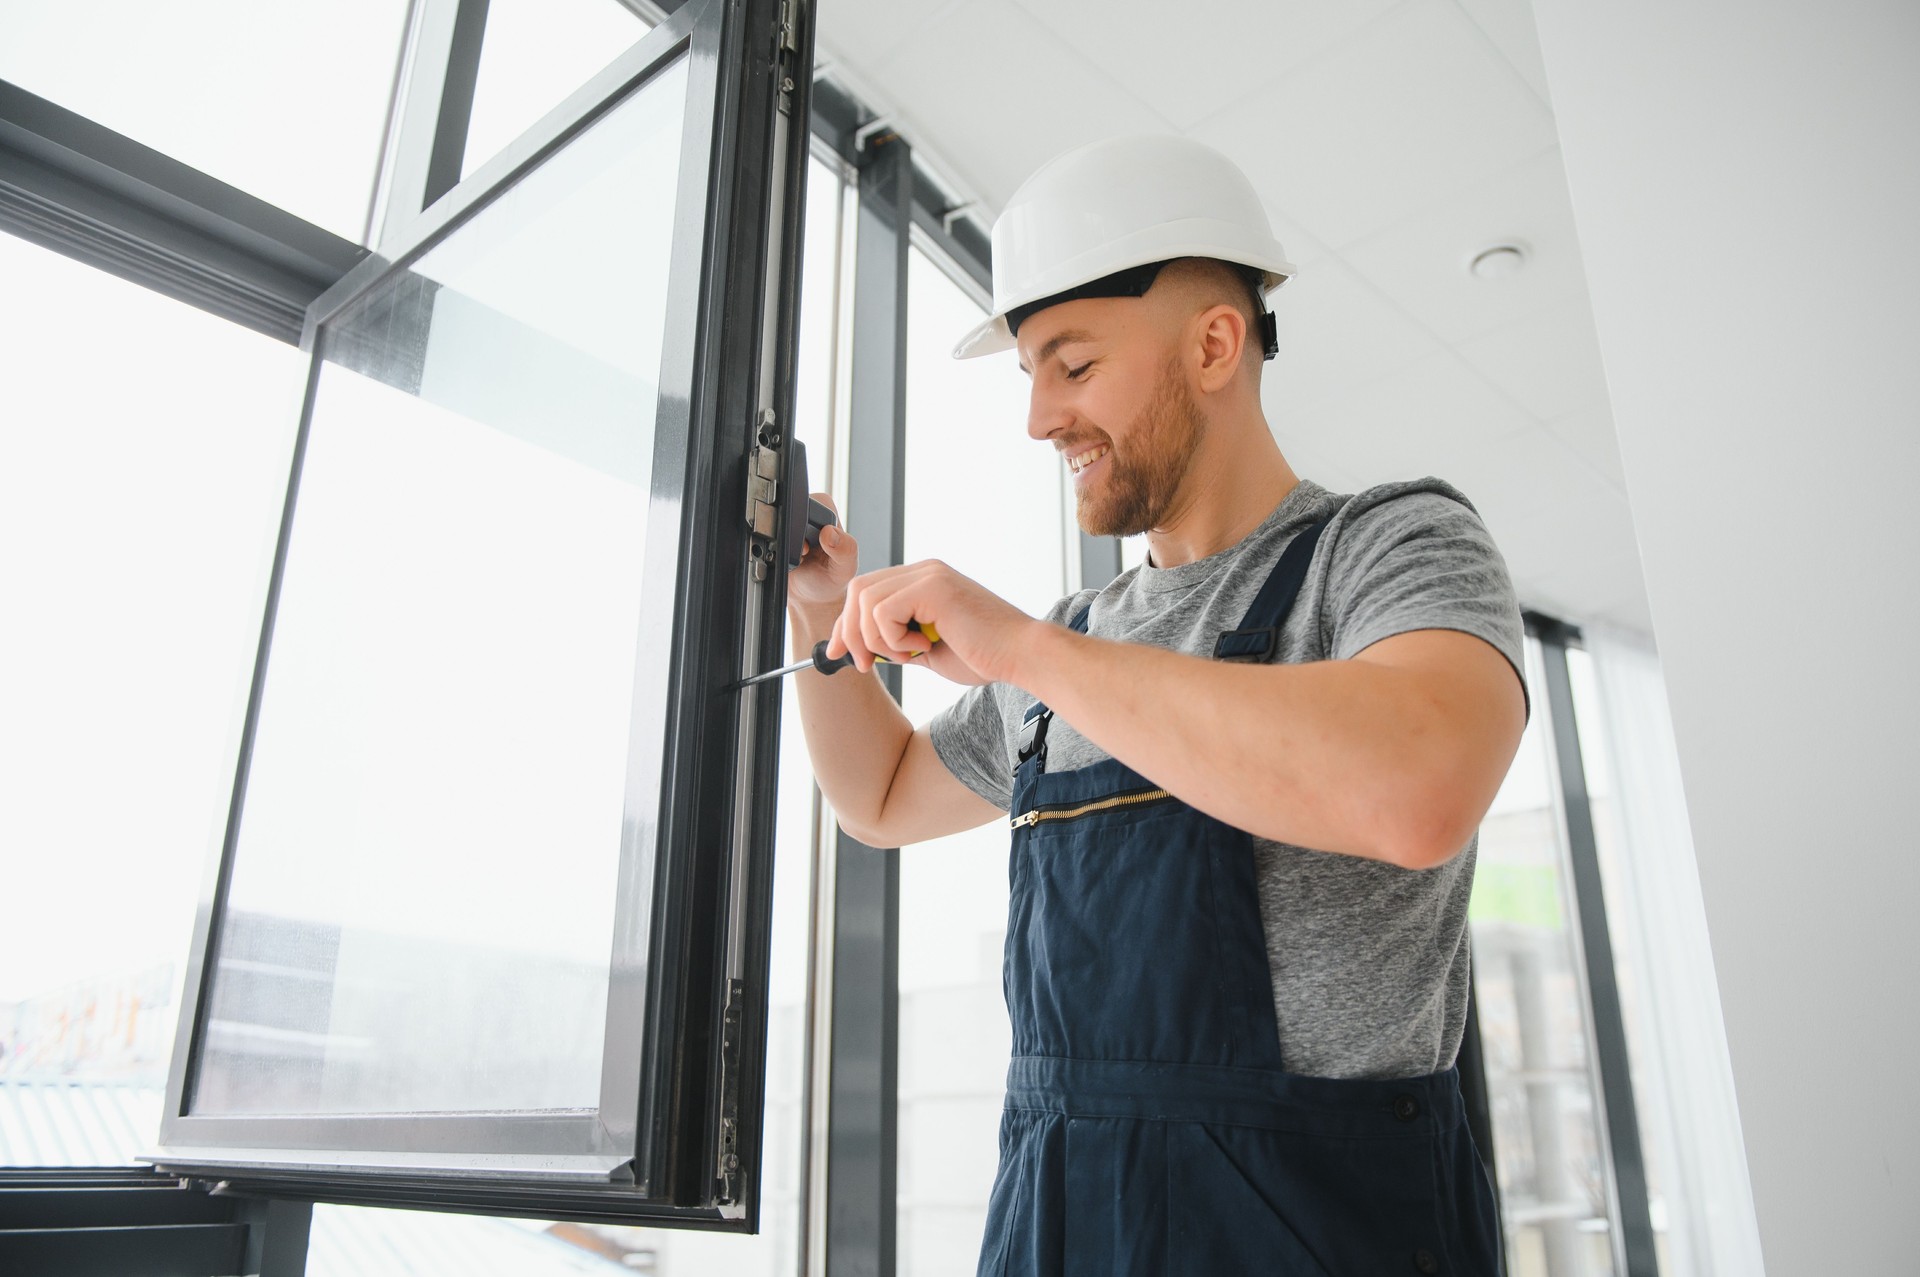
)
(1143, 479)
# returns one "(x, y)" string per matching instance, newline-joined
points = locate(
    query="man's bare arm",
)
(1392, 755)
(882, 778)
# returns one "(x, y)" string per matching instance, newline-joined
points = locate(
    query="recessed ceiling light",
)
(1498, 261)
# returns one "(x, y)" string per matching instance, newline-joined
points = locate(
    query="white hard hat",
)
(1110, 206)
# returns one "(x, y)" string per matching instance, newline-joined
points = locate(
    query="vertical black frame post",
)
(862, 1157)
(1634, 1243)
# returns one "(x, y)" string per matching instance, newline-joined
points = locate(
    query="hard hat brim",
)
(987, 338)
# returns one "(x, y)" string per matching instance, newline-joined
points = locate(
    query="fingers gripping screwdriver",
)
(817, 517)
(820, 661)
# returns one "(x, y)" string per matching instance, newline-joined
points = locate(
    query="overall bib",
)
(1149, 1128)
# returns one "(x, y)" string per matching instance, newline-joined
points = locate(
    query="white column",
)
(1746, 180)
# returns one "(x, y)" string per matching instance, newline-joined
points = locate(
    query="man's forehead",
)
(1052, 343)
(1082, 319)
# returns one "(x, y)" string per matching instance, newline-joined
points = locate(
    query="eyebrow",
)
(1054, 343)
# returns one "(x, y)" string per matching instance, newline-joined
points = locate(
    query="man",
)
(1244, 778)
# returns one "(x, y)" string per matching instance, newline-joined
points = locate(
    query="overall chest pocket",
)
(1124, 936)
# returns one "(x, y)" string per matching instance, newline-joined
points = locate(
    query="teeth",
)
(1087, 458)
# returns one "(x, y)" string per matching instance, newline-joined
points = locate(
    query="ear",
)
(1220, 336)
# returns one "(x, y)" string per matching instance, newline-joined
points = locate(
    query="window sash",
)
(663, 1127)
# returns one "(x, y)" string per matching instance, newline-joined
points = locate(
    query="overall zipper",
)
(1028, 819)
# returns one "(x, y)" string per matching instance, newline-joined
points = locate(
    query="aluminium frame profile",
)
(676, 977)
(80, 189)
(1633, 1245)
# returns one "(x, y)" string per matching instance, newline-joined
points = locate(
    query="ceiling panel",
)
(1224, 50)
(1509, 25)
(1414, 107)
(1532, 471)
(1589, 432)
(1336, 333)
(1549, 362)
(1422, 263)
(1582, 529)
(1417, 421)
(864, 34)
(988, 72)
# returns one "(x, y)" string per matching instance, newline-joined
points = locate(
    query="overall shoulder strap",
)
(1033, 727)
(1258, 637)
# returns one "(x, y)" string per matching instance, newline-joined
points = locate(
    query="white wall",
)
(1746, 182)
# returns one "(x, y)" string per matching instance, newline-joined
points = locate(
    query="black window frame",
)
(683, 1069)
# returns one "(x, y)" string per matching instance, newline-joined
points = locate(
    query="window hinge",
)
(786, 55)
(763, 495)
(727, 1168)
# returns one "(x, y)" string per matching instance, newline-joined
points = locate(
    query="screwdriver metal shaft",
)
(820, 661)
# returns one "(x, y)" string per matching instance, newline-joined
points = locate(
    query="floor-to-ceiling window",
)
(987, 500)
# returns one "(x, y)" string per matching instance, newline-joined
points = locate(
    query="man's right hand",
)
(884, 781)
(819, 584)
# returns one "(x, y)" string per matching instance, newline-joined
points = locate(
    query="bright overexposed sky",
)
(144, 451)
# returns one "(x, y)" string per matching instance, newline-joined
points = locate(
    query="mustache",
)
(1073, 443)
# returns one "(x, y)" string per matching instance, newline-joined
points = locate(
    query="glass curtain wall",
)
(988, 500)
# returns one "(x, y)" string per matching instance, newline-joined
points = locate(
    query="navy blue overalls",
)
(1149, 1127)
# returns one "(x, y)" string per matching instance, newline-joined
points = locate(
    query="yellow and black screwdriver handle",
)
(826, 666)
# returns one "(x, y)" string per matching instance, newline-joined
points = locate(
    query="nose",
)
(1047, 413)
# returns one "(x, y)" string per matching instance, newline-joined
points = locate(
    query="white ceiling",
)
(1391, 142)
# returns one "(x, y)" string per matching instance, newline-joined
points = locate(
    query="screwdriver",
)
(819, 660)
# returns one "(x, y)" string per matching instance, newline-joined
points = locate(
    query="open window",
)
(487, 927)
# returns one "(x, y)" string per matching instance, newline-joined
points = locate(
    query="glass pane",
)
(1636, 959)
(533, 54)
(1534, 1023)
(288, 102)
(966, 444)
(422, 900)
(144, 448)
(347, 1238)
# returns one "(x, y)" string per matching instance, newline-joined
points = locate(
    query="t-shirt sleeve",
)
(971, 739)
(1420, 560)
(973, 736)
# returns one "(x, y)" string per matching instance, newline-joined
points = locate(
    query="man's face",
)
(1110, 396)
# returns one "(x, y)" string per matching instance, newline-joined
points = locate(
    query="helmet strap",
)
(1269, 334)
(1134, 281)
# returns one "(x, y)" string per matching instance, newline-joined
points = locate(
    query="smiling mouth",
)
(1080, 461)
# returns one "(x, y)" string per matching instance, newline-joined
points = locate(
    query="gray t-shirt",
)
(1369, 961)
